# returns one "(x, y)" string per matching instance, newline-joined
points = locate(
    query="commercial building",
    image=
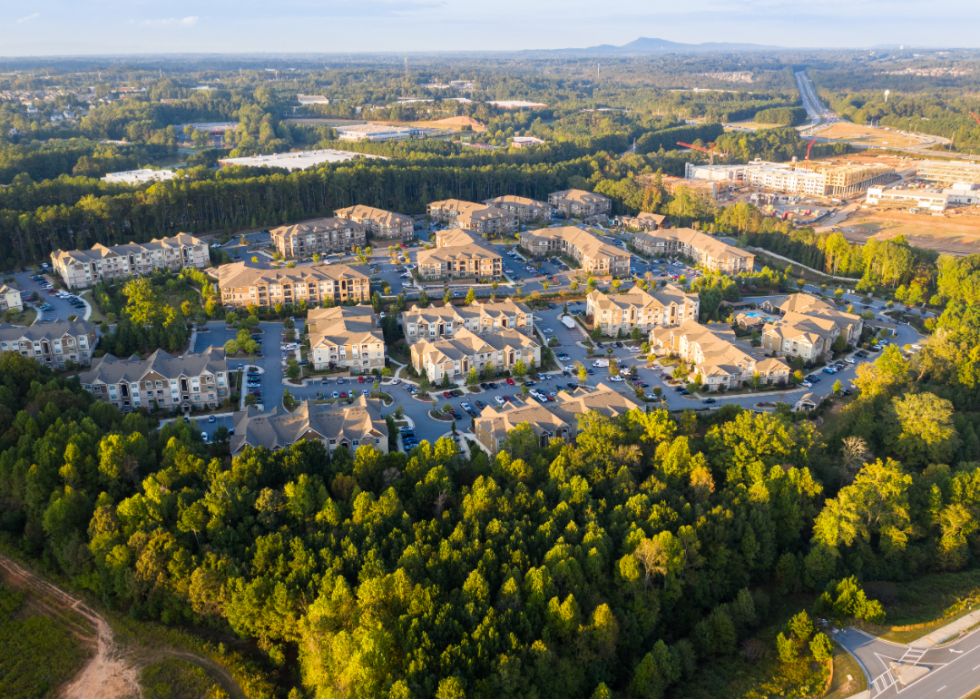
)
(808, 327)
(297, 160)
(594, 256)
(718, 360)
(706, 251)
(577, 203)
(312, 99)
(459, 254)
(454, 356)
(138, 177)
(525, 209)
(481, 318)
(948, 173)
(814, 178)
(10, 299)
(481, 218)
(636, 308)
(347, 337)
(558, 420)
(525, 141)
(52, 344)
(378, 222)
(79, 269)
(643, 221)
(915, 198)
(337, 426)
(160, 381)
(319, 236)
(242, 285)
(375, 132)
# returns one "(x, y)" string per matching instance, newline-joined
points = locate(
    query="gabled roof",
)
(660, 297)
(343, 325)
(316, 225)
(696, 239)
(45, 331)
(466, 344)
(583, 240)
(112, 370)
(239, 274)
(369, 213)
(579, 196)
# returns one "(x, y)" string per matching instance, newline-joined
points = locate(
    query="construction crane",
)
(710, 151)
(975, 117)
(808, 147)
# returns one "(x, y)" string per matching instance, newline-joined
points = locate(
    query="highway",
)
(819, 115)
(951, 672)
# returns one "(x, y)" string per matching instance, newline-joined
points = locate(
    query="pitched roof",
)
(466, 343)
(516, 201)
(660, 297)
(112, 370)
(316, 225)
(343, 325)
(361, 213)
(801, 303)
(583, 240)
(45, 331)
(239, 274)
(580, 196)
(797, 326)
(695, 239)
(100, 251)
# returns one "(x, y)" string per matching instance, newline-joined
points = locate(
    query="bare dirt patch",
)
(844, 131)
(955, 233)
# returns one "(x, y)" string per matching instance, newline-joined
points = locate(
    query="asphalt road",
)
(61, 308)
(953, 670)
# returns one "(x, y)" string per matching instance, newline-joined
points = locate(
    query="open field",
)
(845, 131)
(954, 233)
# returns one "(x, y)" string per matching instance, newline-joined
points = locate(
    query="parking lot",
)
(60, 308)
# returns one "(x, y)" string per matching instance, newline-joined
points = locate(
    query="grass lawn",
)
(25, 317)
(845, 666)
(97, 315)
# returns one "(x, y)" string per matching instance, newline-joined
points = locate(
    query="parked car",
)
(709, 401)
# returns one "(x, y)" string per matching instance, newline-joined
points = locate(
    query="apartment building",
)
(717, 359)
(808, 327)
(643, 221)
(79, 269)
(51, 344)
(485, 220)
(346, 337)
(525, 209)
(458, 254)
(706, 251)
(636, 308)
(814, 178)
(319, 236)
(242, 285)
(160, 381)
(10, 299)
(594, 256)
(577, 203)
(454, 356)
(378, 222)
(558, 420)
(337, 426)
(433, 323)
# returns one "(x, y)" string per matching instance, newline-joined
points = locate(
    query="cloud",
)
(170, 22)
(28, 18)
(189, 21)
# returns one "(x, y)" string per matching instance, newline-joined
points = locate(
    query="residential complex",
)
(706, 251)
(525, 209)
(319, 236)
(813, 178)
(10, 299)
(346, 337)
(242, 285)
(481, 218)
(718, 360)
(454, 356)
(636, 308)
(378, 222)
(352, 426)
(79, 269)
(577, 203)
(52, 344)
(434, 323)
(808, 328)
(594, 256)
(459, 254)
(643, 221)
(558, 420)
(160, 381)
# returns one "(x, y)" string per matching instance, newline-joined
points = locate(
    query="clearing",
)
(955, 233)
(845, 131)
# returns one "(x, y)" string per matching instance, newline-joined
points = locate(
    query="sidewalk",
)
(950, 630)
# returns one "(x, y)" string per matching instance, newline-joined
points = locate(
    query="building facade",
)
(51, 344)
(453, 357)
(594, 256)
(198, 381)
(319, 236)
(577, 203)
(379, 223)
(525, 209)
(10, 299)
(706, 251)
(243, 286)
(639, 309)
(808, 327)
(485, 220)
(459, 254)
(346, 337)
(643, 221)
(80, 269)
(434, 323)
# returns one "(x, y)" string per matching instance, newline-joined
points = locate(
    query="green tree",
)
(293, 369)
(470, 297)
(822, 648)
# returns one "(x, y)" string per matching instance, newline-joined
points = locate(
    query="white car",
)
(807, 384)
(395, 382)
(616, 379)
(204, 436)
(849, 360)
(500, 401)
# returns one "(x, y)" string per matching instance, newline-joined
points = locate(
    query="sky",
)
(80, 27)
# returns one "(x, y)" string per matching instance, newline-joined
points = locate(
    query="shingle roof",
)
(361, 213)
(113, 370)
(343, 325)
(239, 274)
(635, 296)
(583, 240)
(466, 344)
(695, 239)
(45, 331)
(316, 225)
(580, 196)
(100, 251)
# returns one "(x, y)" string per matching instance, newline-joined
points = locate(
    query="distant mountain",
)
(645, 46)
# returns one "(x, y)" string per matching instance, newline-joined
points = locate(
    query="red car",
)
(343, 394)
(360, 379)
(510, 382)
(447, 394)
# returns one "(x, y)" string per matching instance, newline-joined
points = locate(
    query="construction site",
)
(834, 179)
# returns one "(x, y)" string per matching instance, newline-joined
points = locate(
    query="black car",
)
(572, 386)
(619, 344)
(709, 401)
(484, 386)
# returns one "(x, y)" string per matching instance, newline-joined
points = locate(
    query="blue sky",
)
(70, 27)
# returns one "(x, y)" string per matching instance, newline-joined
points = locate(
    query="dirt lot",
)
(844, 131)
(954, 233)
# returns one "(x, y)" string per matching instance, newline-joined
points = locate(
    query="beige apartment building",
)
(51, 344)
(706, 251)
(717, 358)
(243, 286)
(636, 308)
(577, 203)
(808, 327)
(458, 254)
(525, 209)
(79, 269)
(346, 337)
(594, 256)
(320, 236)
(10, 299)
(161, 380)
(483, 219)
(558, 420)
(454, 356)
(434, 323)
(379, 223)
(643, 221)
(337, 426)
